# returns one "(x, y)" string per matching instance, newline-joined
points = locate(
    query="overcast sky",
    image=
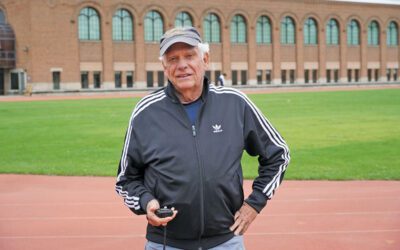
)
(373, 1)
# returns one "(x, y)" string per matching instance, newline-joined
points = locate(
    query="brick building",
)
(58, 45)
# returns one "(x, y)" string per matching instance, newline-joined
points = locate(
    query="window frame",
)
(392, 35)
(286, 38)
(310, 31)
(332, 26)
(92, 31)
(153, 32)
(182, 18)
(353, 32)
(212, 28)
(238, 30)
(126, 29)
(373, 33)
(263, 30)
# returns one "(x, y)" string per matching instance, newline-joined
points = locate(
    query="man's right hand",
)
(153, 219)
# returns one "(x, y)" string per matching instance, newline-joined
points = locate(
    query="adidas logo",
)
(217, 128)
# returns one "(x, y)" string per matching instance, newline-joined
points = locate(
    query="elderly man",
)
(183, 149)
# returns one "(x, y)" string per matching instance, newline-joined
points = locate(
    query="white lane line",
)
(141, 218)
(327, 232)
(118, 236)
(118, 203)
(38, 237)
(72, 218)
(338, 199)
(58, 204)
(332, 214)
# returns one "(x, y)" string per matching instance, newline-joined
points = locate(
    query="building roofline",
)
(354, 2)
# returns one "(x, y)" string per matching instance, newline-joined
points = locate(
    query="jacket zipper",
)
(194, 133)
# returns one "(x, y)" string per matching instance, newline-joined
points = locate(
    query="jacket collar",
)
(170, 91)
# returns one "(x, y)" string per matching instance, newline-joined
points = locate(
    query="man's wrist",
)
(257, 200)
(144, 200)
(245, 203)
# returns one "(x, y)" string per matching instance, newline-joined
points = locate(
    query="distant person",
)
(183, 149)
(221, 79)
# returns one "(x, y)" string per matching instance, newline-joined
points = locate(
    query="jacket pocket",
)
(182, 194)
(239, 176)
(224, 197)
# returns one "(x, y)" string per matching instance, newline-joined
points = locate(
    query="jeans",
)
(236, 243)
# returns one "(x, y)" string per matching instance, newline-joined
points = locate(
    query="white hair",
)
(204, 48)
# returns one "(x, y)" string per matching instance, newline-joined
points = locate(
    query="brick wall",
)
(47, 37)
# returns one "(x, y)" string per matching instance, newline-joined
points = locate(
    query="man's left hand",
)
(243, 218)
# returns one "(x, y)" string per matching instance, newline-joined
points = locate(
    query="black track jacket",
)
(197, 169)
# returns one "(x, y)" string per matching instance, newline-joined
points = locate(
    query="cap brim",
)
(178, 39)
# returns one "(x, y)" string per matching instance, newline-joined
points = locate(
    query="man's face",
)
(184, 67)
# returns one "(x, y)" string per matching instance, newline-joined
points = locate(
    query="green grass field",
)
(332, 135)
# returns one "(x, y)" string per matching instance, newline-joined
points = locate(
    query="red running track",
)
(43, 212)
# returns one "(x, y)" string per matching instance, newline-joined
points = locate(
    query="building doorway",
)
(18, 79)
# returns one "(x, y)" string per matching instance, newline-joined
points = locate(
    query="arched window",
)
(288, 31)
(392, 34)
(2, 17)
(122, 26)
(211, 24)
(89, 24)
(183, 19)
(310, 31)
(332, 32)
(353, 33)
(238, 29)
(373, 33)
(263, 30)
(153, 26)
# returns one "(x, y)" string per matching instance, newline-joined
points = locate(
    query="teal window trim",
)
(183, 19)
(89, 24)
(153, 26)
(238, 29)
(122, 26)
(2, 17)
(310, 32)
(392, 37)
(353, 33)
(212, 28)
(373, 33)
(332, 32)
(288, 31)
(263, 30)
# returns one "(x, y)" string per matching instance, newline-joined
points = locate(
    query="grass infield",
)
(342, 135)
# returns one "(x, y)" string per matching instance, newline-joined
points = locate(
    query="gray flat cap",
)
(188, 35)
